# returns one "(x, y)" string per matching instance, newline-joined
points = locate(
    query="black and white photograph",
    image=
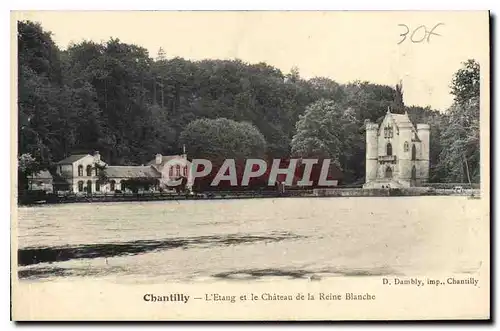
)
(250, 165)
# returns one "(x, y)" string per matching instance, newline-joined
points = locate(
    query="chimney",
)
(97, 156)
(158, 159)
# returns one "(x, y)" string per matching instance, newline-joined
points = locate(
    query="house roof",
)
(43, 174)
(72, 158)
(164, 159)
(131, 172)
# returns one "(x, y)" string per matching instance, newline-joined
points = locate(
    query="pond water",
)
(250, 238)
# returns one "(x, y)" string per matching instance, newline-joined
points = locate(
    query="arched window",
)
(97, 186)
(80, 184)
(89, 186)
(89, 170)
(171, 172)
(177, 170)
(112, 185)
(413, 153)
(184, 171)
(388, 172)
(96, 171)
(406, 146)
(389, 149)
(80, 170)
(413, 173)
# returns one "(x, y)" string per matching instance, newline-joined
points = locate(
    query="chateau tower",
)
(371, 151)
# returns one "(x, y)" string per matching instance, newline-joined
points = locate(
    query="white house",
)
(171, 167)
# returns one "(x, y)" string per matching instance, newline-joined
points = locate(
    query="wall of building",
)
(41, 184)
(404, 155)
(424, 135)
(182, 170)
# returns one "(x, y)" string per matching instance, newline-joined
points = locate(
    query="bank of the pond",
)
(322, 192)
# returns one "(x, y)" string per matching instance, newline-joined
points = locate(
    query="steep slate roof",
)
(131, 172)
(72, 158)
(402, 120)
(164, 159)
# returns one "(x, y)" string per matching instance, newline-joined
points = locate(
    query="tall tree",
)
(221, 138)
(323, 131)
(466, 82)
(461, 157)
(398, 105)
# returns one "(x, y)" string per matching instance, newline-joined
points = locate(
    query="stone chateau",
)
(397, 153)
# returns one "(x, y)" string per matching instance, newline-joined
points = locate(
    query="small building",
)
(41, 181)
(397, 153)
(171, 167)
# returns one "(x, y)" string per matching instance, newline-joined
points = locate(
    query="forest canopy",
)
(116, 98)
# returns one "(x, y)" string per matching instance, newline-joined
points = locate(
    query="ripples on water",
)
(248, 239)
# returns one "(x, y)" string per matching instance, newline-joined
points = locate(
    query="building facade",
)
(79, 173)
(397, 153)
(171, 167)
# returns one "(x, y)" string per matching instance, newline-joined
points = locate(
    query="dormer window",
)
(388, 131)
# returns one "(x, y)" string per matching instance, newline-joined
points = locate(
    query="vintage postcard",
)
(250, 165)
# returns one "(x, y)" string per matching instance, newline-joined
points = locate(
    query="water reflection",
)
(28, 256)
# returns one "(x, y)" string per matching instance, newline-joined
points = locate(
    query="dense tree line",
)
(115, 98)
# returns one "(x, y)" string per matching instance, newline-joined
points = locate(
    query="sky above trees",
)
(342, 46)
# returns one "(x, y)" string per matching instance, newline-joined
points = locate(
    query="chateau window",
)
(406, 146)
(413, 153)
(89, 170)
(80, 170)
(389, 149)
(80, 183)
